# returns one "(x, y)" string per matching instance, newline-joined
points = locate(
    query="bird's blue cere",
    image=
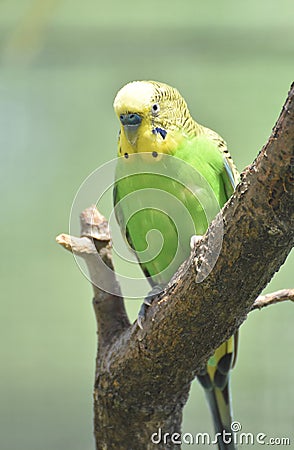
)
(130, 119)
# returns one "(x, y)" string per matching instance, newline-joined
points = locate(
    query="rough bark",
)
(143, 377)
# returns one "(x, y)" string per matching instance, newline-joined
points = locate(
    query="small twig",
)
(94, 227)
(272, 298)
(80, 246)
(95, 248)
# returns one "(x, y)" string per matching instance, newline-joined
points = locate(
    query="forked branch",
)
(143, 377)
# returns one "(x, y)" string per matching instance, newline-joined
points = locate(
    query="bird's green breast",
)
(162, 201)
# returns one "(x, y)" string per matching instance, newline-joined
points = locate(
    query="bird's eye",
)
(155, 108)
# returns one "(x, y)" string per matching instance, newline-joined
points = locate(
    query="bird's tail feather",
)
(219, 403)
(216, 383)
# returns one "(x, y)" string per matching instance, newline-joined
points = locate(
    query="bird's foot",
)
(147, 302)
(194, 240)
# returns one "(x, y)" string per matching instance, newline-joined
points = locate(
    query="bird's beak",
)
(131, 132)
(131, 123)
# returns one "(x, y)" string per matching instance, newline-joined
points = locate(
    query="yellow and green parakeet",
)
(173, 177)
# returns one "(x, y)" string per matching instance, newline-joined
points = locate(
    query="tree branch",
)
(109, 309)
(273, 298)
(143, 377)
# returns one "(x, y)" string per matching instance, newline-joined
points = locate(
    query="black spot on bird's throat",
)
(154, 154)
(126, 155)
(161, 131)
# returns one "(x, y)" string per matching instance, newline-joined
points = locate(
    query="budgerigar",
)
(158, 132)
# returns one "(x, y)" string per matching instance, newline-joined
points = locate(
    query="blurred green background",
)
(61, 65)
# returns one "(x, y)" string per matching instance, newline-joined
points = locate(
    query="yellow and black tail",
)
(217, 389)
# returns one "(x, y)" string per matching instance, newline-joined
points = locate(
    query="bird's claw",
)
(147, 302)
(142, 314)
(194, 240)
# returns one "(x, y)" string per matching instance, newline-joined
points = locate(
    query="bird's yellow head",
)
(153, 116)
